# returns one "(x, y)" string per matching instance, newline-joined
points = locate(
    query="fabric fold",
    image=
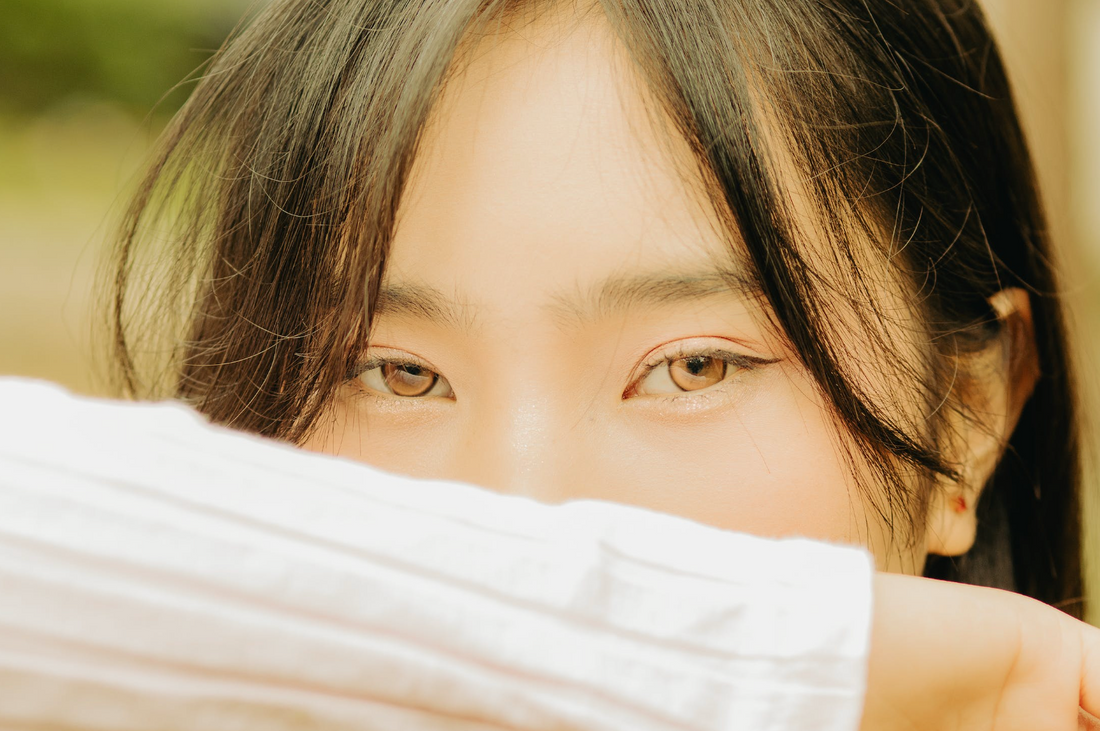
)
(159, 572)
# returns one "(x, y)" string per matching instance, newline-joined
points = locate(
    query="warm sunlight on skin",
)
(563, 320)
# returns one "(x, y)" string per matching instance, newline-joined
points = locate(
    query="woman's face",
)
(562, 319)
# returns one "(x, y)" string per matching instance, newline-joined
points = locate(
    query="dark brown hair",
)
(269, 209)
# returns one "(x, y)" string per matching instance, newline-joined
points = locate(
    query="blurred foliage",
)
(77, 77)
(127, 52)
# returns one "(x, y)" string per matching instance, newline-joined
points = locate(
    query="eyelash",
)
(730, 358)
(363, 366)
(737, 360)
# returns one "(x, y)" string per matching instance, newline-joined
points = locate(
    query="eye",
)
(686, 372)
(404, 379)
(697, 372)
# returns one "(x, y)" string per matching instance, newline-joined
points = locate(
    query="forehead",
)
(545, 167)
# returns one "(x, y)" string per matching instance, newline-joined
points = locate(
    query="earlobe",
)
(1003, 378)
(952, 524)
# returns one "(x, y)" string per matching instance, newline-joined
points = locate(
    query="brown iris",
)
(697, 372)
(408, 379)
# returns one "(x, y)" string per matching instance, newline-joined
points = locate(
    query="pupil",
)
(697, 364)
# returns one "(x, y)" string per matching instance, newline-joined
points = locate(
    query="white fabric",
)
(160, 573)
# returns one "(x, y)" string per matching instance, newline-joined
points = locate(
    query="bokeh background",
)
(86, 85)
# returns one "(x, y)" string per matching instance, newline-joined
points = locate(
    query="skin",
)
(952, 656)
(534, 267)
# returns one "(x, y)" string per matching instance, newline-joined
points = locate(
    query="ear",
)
(1001, 379)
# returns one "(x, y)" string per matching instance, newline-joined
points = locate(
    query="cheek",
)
(395, 443)
(769, 465)
(766, 465)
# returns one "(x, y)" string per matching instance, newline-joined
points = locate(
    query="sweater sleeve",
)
(157, 572)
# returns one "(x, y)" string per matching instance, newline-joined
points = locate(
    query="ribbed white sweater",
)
(160, 573)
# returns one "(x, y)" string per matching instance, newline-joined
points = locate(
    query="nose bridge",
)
(519, 444)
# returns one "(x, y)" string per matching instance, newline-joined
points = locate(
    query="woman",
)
(771, 265)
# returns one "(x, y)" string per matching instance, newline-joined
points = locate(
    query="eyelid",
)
(364, 363)
(669, 353)
(400, 357)
(682, 349)
(721, 353)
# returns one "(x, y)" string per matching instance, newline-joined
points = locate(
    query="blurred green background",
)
(86, 85)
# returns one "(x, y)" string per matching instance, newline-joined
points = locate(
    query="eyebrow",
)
(619, 294)
(613, 295)
(426, 303)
